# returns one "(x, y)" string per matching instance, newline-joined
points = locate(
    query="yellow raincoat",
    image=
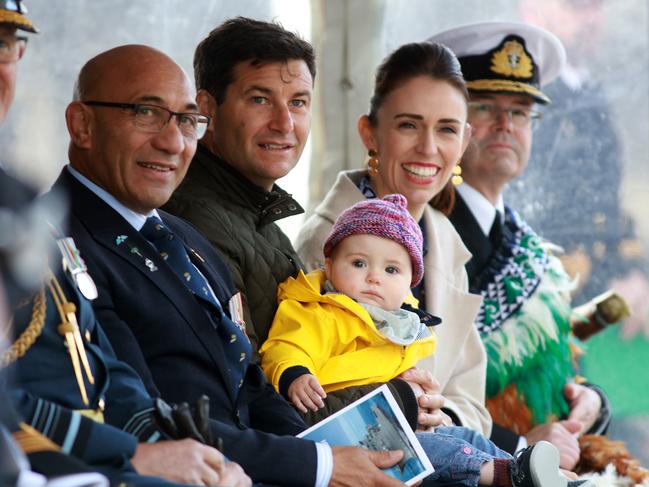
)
(334, 337)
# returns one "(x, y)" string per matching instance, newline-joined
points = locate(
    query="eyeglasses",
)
(152, 118)
(488, 112)
(12, 48)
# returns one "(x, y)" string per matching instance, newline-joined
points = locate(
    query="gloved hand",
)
(179, 421)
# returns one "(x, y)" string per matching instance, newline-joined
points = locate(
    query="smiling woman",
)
(418, 134)
(415, 133)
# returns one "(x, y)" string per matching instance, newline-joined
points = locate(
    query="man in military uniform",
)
(525, 318)
(77, 400)
(15, 199)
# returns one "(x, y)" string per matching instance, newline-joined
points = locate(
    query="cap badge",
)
(512, 60)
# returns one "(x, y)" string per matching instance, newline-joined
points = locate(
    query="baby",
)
(346, 326)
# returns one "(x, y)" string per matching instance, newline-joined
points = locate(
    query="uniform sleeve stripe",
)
(154, 437)
(71, 435)
(139, 421)
(49, 421)
(39, 406)
(142, 426)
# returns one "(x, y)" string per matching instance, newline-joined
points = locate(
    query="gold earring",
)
(457, 178)
(373, 163)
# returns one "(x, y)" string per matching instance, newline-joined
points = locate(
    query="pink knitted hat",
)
(387, 218)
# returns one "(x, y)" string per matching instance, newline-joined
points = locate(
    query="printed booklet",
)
(375, 422)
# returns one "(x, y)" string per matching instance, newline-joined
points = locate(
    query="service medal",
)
(76, 267)
(86, 285)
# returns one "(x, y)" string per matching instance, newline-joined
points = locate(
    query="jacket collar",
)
(483, 211)
(112, 232)
(342, 195)
(269, 205)
(137, 220)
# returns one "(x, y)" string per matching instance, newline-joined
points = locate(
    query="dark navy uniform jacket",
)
(46, 391)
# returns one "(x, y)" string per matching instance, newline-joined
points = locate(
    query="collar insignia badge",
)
(149, 263)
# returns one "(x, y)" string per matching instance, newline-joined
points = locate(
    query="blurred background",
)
(587, 184)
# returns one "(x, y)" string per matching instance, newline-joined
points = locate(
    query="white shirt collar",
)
(482, 209)
(136, 220)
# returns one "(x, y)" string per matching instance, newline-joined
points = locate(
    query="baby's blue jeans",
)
(457, 454)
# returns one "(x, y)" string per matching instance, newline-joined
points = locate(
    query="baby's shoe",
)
(538, 466)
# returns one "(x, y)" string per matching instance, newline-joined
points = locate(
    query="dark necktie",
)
(496, 232)
(235, 344)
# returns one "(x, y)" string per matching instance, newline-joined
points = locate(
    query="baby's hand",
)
(306, 392)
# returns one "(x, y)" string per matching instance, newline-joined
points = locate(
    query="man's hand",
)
(183, 461)
(306, 392)
(357, 467)
(233, 475)
(563, 435)
(429, 399)
(585, 405)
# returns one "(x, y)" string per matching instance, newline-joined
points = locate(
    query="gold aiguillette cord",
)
(69, 328)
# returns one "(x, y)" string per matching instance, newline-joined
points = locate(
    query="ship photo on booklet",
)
(375, 422)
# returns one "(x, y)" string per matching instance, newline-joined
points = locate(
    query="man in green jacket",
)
(255, 80)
